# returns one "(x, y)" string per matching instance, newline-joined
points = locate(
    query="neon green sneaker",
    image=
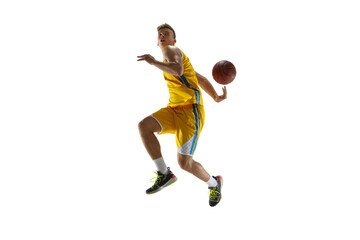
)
(161, 181)
(215, 192)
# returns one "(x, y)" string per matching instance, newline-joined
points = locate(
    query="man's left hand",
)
(221, 97)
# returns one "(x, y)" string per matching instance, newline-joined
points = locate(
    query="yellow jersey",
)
(184, 89)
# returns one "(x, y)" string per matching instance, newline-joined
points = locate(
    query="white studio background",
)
(286, 141)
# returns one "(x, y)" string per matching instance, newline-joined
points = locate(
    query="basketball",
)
(224, 72)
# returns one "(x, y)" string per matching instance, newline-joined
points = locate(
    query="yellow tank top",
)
(184, 89)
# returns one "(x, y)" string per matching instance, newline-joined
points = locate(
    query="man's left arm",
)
(209, 89)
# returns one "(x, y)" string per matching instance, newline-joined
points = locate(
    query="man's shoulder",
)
(171, 48)
(172, 51)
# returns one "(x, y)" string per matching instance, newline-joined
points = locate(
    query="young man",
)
(183, 116)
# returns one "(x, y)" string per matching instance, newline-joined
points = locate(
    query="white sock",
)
(212, 182)
(161, 166)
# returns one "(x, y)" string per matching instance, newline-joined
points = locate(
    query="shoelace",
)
(156, 179)
(213, 193)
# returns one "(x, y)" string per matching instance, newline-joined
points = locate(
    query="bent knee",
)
(148, 124)
(185, 164)
(143, 126)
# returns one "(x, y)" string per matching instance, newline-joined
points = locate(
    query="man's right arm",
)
(174, 64)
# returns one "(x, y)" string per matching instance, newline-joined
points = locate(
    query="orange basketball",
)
(224, 72)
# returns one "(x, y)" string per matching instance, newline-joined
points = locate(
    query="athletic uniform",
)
(184, 116)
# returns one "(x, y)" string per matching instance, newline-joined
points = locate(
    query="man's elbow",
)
(180, 71)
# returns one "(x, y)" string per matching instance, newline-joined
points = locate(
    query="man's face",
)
(165, 38)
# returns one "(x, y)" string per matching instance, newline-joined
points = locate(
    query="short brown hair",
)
(165, 25)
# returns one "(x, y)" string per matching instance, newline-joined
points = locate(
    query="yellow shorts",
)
(184, 121)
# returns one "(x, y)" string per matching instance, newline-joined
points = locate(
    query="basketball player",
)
(184, 115)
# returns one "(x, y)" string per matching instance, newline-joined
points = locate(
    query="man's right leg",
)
(147, 127)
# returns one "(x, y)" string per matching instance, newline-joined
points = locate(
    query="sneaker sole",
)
(171, 181)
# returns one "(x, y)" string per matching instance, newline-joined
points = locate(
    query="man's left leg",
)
(188, 164)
